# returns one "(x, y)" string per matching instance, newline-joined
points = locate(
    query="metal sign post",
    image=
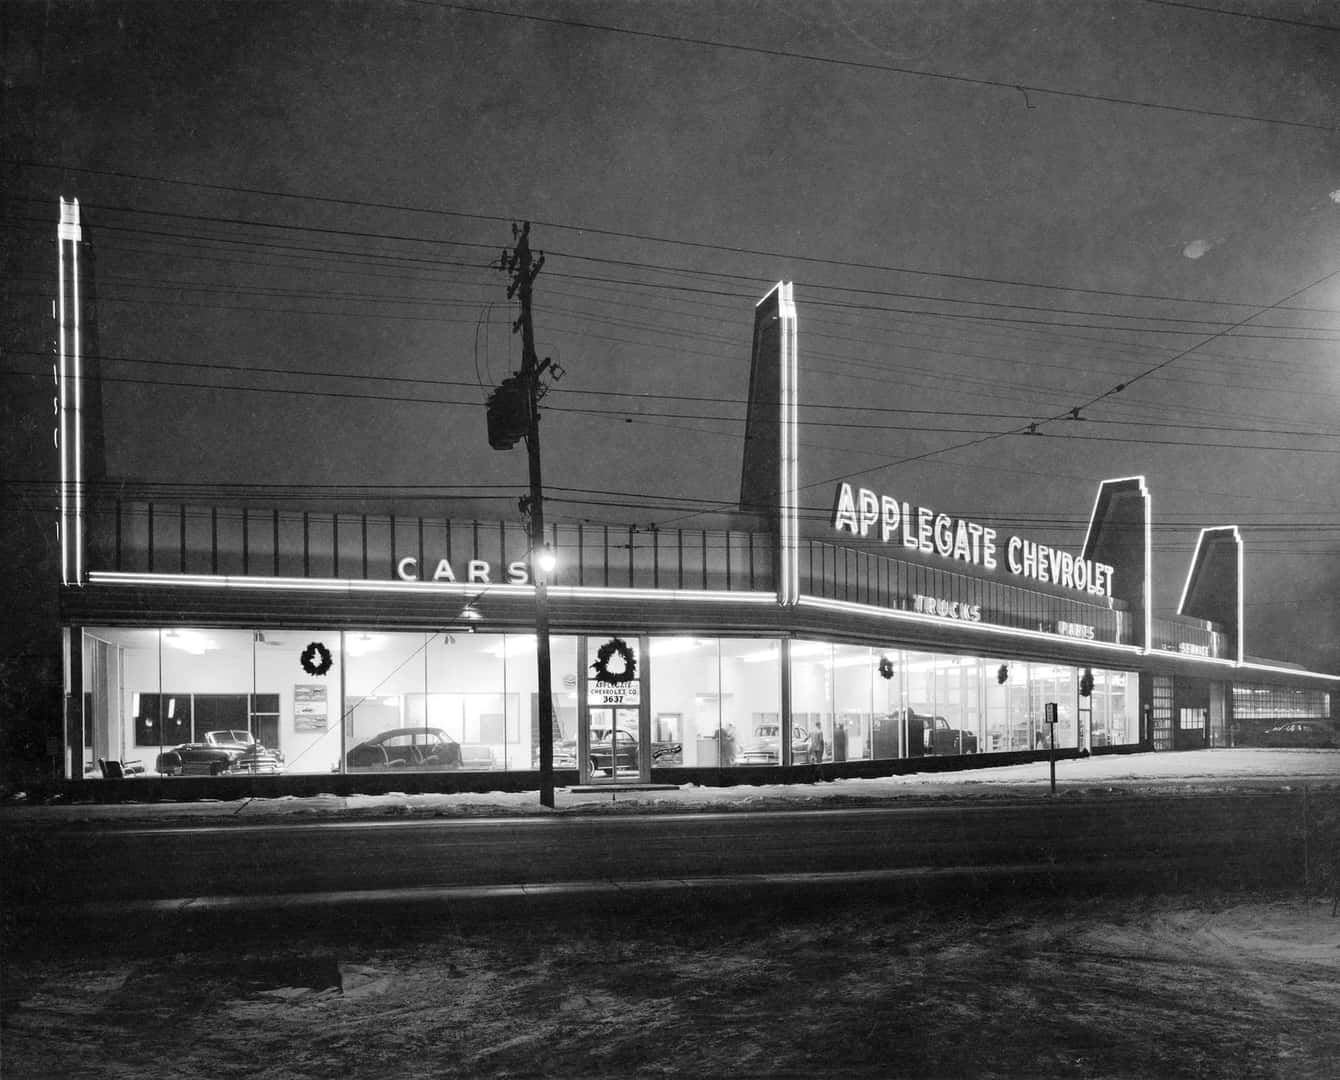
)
(1049, 718)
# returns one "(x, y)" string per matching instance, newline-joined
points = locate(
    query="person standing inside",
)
(817, 750)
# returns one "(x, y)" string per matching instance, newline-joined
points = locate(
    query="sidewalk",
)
(1170, 773)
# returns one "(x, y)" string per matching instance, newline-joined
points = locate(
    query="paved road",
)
(1236, 837)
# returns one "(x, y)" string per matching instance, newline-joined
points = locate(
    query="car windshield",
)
(766, 732)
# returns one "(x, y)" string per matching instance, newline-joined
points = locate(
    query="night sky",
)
(994, 213)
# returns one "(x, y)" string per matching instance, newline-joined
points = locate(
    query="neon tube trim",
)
(209, 581)
(110, 577)
(1147, 585)
(1248, 665)
(78, 537)
(1242, 589)
(1195, 561)
(847, 607)
(70, 435)
(790, 445)
(62, 437)
(1149, 564)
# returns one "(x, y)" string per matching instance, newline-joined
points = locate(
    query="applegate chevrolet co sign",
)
(865, 513)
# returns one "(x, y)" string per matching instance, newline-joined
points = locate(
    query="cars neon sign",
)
(477, 572)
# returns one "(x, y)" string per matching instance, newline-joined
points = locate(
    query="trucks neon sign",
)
(919, 528)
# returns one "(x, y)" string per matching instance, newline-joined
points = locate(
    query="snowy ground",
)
(1127, 986)
(1137, 988)
(1192, 770)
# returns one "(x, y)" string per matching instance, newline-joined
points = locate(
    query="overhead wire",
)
(1107, 99)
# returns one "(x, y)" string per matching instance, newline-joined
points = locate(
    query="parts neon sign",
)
(862, 512)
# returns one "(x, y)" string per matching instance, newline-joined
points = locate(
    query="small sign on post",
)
(1049, 716)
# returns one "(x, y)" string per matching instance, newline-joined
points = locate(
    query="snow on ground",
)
(1120, 986)
(1226, 769)
(1086, 988)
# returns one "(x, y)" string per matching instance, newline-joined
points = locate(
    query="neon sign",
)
(919, 528)
(478, 572)
(947, 609)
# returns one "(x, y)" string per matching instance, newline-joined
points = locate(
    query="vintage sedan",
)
(766, 746)
(1300, 733)
(406, 748)
(613, 750)
(220, 752)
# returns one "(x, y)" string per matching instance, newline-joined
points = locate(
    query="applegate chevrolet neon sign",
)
(862, 512)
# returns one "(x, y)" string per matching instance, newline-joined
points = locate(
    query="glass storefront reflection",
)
(188, 701)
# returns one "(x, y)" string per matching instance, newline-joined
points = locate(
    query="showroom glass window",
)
(465, 697)
(149, 691)
(509, 730)
(384, 680)
(811, 695)
(887, 730)
(854, 672)
(684, 704)
(750, 694)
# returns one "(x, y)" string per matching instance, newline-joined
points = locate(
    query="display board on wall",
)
(310, 711)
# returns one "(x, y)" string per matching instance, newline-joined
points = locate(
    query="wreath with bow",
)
(606, 652)
(316, 659)
(886, 667)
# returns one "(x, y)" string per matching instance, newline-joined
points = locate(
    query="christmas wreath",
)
(316, 659)
(886, 667)
(605, 653)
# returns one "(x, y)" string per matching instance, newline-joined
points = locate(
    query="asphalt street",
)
(113, 878)
(1221, 818)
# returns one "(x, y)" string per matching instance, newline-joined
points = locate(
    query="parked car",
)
(933, 735)
(217, 753)
(1300, 733)
(766, 746)
(565, 754)
(406, 748)
(478, 756)
(615, 749)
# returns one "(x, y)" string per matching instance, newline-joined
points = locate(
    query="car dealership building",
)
(376, 651)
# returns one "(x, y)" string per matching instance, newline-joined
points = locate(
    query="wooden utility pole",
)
(523, 271)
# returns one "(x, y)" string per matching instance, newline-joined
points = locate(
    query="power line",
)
(646, 237)
(646, 396)
(1256, 16)
(1027, 88)
(1075, 410)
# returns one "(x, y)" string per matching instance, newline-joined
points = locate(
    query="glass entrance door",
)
(614, 751)
(614, 737)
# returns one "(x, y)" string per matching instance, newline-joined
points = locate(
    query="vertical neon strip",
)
(1149, 565)
(77, 539)
(1242, 589)
(71, 429)
(789, 449)
(62, 436)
